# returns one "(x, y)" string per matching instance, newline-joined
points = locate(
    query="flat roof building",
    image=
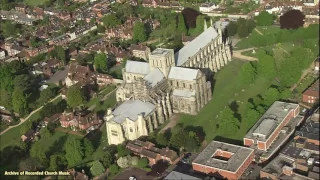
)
(268, 127)
(223, 160)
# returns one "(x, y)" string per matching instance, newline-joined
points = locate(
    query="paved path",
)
(173, 121)
(258, 31)
(22, 120)
(237, 54)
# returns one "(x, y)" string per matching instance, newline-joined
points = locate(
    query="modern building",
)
(311, 95)
(224, 160)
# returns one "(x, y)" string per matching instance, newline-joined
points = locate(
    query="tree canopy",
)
(292, 19)
(110, 21)
(181, 26)
(229, 124)
(247, 73)
(264, 19)
(96, 168)
(74, 151)
(19, 102)
(101, 62)
(76, 96)
(139, 32)
(232, 29)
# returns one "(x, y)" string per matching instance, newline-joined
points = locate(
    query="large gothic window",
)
(189, 108)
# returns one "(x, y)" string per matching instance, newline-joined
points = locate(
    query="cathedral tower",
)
(162, 59)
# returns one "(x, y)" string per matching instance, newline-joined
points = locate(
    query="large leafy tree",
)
(76, 96)
(57, 161)
(228, 124)
(74, 151)
(292, 19)
(97, 168)
(87, 147)
(61, 54)
(264, 19)
(270, 96)
(23, 82)
(181, 27)
(122, 151)
(232, 29)
(36, 151)
(5, 99)
(247, 73)
(9, 29)
(266, 65)
(139, 32)
(19, 102)
(101, 62)
(252, 116)
(143, 162)
(110, 21)
(25, 127)
(106, 159)
(243, 31)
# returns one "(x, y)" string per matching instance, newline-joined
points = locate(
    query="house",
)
(140, 51)
(311, 95)
(60, 40)
(28, 136)
(39, 50)
(208, 7)
(78, 74)
(80, 121)
(148, 150)
(161, 4)
(4, 117)
(223, 160)
(280, 120)
(103, 79)
(21, 8)
(50, 66)
(53, 118)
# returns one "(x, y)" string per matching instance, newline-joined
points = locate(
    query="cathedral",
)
(168, 83)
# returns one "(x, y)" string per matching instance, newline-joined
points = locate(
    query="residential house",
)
(208, 7)
(140, 51)
(5, 117)
(39, 50)
(78, 74)
(311, 95)
(148, 150)
(103, 79)
(80, 120)
(161, 4)
(60, 40)
(14, 50)
(223, 160)
(52, 119)
(21, 8)
(50, 66)
(28, 136)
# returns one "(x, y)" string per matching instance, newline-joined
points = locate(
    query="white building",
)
(208, 7)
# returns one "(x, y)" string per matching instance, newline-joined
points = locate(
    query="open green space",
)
(268, 29)
(109, 102)
(12, 137)
(35, 2)
(227, 89)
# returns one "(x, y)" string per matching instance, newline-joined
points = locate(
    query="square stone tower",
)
(162, 59)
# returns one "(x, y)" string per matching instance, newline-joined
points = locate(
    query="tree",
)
(228, 123)
(124, 162)
(264, 19)
(96, 168)
(106, 159)
(292, 19)
(181, 26)
(243, 31)
(270, 96)
(47, 94)
(122, 151)
(34, 41)
(200, 24)
(139, 32)
(88, 147)
(143, 162)
(19, 102)
(74, 151)
(61, 54)
(5, 99)
(45, 133)
(25, 127)
(9, 29)
(110, 21)
(76, 96)
(23, 82)
(101, 62)
(113, 169)
(57, 161)
(36, 151)
(247, 73)
(250, 24)
(232, 29)
(101, 29)
(266, 65)
(161, 139)
(190, 16)
(251, 117)
(285, 94)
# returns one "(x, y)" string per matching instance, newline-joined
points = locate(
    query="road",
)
(22, 120)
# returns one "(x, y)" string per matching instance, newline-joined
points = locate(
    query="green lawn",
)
(35, 2)
(109, 102)
(268, 29)
(225, 88)
(12, 137)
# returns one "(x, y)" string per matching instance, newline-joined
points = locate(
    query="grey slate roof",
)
(185, 74)
(222, 24)
(193, 47)
(154, 77)
(137, 67)
(131, 109)
(183, 93)
(174, 175)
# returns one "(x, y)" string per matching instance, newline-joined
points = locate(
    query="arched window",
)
(184, 85)
(128, 78)
(131, 130)
(135, 78)
(189, 108)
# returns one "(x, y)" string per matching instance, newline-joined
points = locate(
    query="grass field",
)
(12, 137)
(226, 90)
(268, 29)
(35, 2)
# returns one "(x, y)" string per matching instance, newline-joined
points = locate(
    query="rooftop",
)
(270, 120)
(193, 47)
(239, 155)
(131, 109)
(313, 90)
(137, 67)
(161, 52)
(276, 165)
(154, 77)
(185, 74)
(310, 130)
(183, 93)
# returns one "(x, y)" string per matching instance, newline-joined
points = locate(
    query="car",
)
(132, 178)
